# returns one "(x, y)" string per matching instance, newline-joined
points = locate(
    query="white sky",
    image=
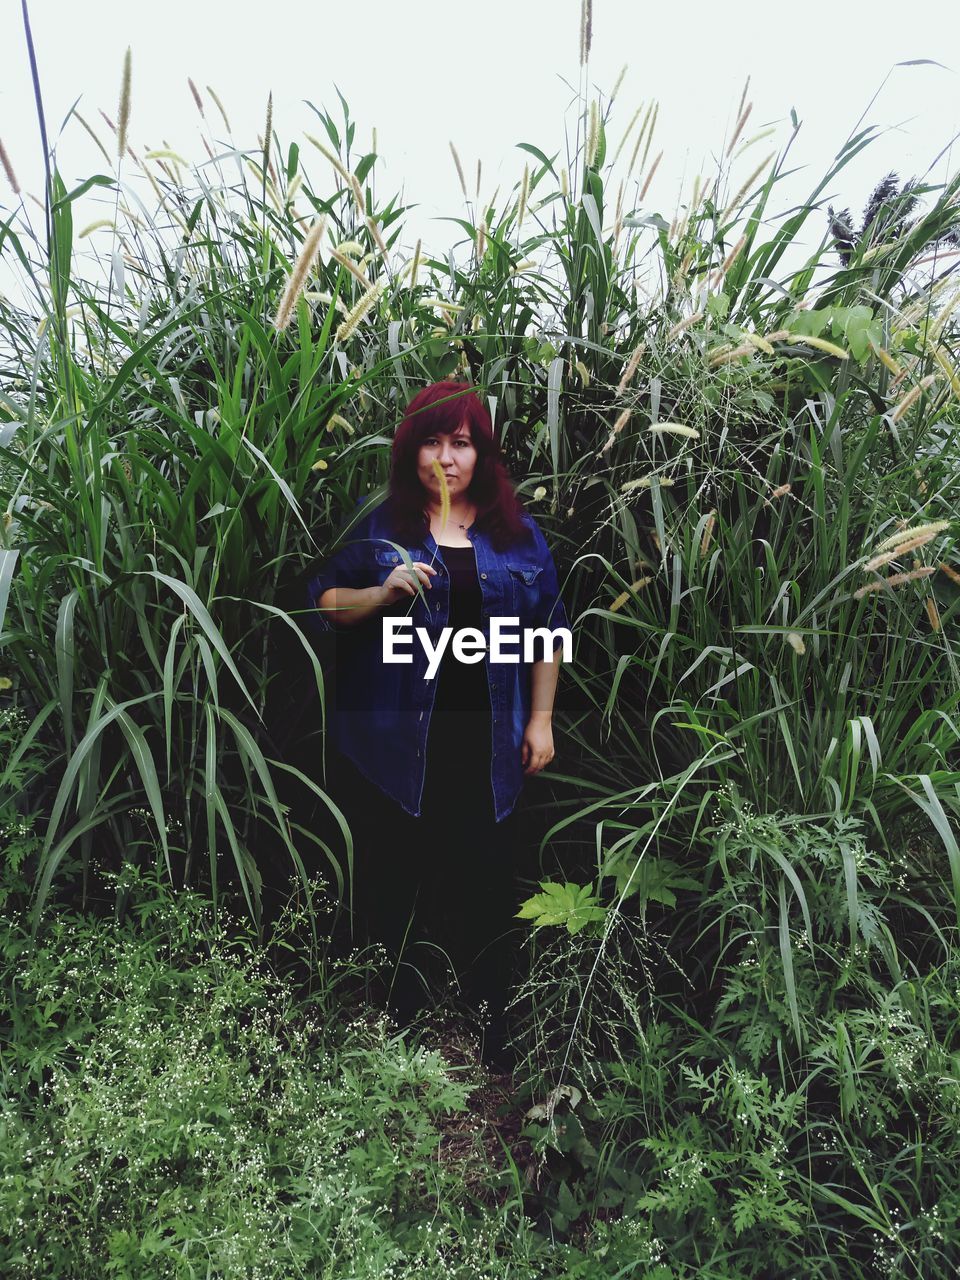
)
(489, 76)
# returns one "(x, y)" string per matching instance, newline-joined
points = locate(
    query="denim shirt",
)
(381, 714)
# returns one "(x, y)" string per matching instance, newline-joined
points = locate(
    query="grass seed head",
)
(708, 529)
(896, 540)
(298, 276)
(123, 114)
(630, 368)
(593, 134)
(586, 30)
(459, 166)
(196, 96)
(912, 396)
(894, 581)
(8, 169)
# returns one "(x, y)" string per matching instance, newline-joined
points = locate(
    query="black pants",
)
(440, 888)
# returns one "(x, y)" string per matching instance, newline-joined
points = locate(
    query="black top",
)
(462, 687)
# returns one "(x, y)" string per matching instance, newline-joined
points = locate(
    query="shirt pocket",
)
(524, 581)
(386, 559)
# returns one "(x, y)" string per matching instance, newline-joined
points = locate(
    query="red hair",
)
(439, 410)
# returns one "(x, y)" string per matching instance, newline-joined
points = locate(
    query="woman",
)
(438, 758)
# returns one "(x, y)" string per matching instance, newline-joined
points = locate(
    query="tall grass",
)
(719, 430)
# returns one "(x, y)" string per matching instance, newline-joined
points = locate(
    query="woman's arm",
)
(346, 606)
(536, 750)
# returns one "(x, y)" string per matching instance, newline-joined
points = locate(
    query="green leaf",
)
(572, 905)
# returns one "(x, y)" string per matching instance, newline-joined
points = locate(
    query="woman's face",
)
(457, 457)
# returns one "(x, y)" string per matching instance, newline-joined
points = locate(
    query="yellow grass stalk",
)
(747, 186)
(298, 276)
(624, 596)
(630, 368)
(901, 549)
(821, 344)
(8, 169)
(357, 312)
(524, 193)
(887, 360)
(932, 527)
(911, 397)
(675, 429)
(336, 420)
(622, 420)
(933, 613)
(619, 82)
(760, 343)
(951, 573)
(415, 265)
(330, 157)
(123, 113)
(726, 354)
(375, 232)
(653, 170)
(757, 137)
(293, 188)
(95, 226)
(349, 248)
(357, 194)
(220, 108)
(708, 529)
(744, 115)
(728, 261)
(442, 304)
(583, 371)
(313, 295)
(321, 464)
(352, 267)
(895, 580)
(941, 358)
(683, 324)
(444, 493)
(165, 155)
(564, 184)
(644, 482)
(795, 641)
(886, 557)
(593, 134)
(459, 166)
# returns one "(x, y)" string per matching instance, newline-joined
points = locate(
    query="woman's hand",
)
(536, 749)
(402, 581)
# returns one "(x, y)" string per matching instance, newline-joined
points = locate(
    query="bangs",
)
(440, 410)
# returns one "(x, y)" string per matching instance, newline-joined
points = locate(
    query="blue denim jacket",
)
(381, 715)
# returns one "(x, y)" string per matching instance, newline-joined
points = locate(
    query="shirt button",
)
(483, 575)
